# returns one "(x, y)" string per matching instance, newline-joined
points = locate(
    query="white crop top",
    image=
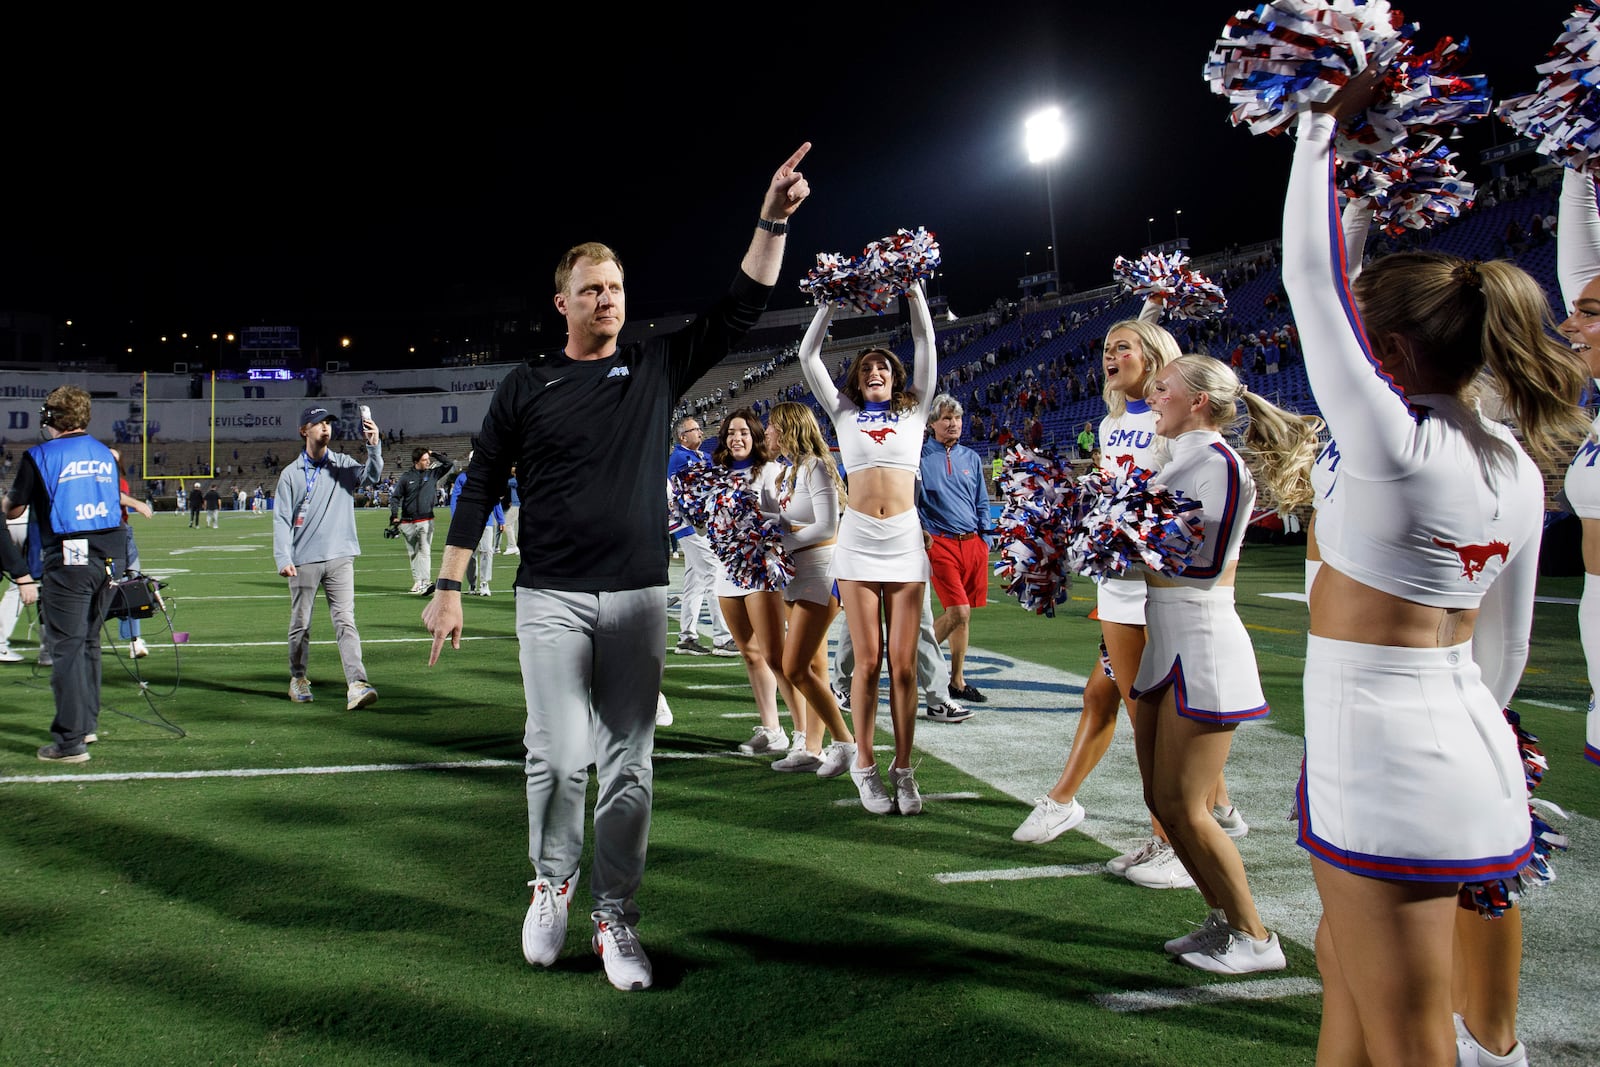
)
(1578, 264)
(1129, 440)
(1203, 467)
(1435, 503)
(874, 436)
(809, 507)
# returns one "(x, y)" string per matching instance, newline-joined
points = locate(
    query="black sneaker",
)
(52, 753)
(968, 693)
(691, 646)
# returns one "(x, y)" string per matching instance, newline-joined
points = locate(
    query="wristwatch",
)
(777, 229)
(447, 585)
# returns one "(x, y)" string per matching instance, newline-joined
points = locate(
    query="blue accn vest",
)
(80, 476)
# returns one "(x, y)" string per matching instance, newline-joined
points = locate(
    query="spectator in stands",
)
(1086, 440)
(1390, 621)
(879, 564)
(953, 506)
(580, 424)
(314, 544)
(411, 505)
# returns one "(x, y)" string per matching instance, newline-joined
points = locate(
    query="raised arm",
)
(1577, 236)
(784, 195)
(1363, 406)
(811, 365)
(924, 352)
(1356, 223)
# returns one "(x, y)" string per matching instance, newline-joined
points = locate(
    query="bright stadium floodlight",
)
(1045, 137)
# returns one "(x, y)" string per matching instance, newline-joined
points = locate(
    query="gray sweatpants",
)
(591, 672)
(337, 577)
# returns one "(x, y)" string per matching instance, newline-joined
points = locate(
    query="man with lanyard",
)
(314, 545)
(411, 509)
(954, 507)
(70, 481)
(699, 561)
(584, 428)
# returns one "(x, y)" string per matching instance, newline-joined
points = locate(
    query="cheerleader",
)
(879, 560)
(1197, 678)
(1411, 783)
(809, 492)
(755, 616)
(1578, 268)
(1135, 350)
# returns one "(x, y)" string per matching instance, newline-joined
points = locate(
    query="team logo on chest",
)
(880, 434)
(1473, 557)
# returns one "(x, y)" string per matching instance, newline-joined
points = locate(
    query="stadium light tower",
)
(1045, 136)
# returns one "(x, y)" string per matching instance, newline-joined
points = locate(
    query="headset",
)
(49, 416)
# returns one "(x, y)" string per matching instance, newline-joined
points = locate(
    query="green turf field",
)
(290, 883)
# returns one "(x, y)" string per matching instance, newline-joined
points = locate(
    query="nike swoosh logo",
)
(553, 381)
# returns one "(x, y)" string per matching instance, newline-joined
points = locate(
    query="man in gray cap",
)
(314, 544)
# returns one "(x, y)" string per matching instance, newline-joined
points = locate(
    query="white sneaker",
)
(1230, 820)
(726, 649)
(627, 967)
(483, 590)
(764, 742)
(798, 758)
(360, 695)
(138, 649)
(1200, 938)
(836, 759)
(663, 712)
(544, 929)
(300, 689)
(873, 796)
(1049, 820)
(1471, 1054)
(1234, 953)
(418, 587)
(1163, 870)
(1120, 864)
(907, 797)
(8, 656)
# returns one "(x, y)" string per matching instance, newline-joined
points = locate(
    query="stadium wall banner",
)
(25, 385)
(419, 415)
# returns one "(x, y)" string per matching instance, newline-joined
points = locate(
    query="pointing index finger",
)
(794, 160)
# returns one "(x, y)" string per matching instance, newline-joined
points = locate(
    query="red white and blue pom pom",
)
(1277, 59)
(1185, 293)
(1491, 899)
(749, 545)
(1563, 113)
(1125, 519)
(869, 282)
(1412, 186)
(1040, 505)
(689, 492)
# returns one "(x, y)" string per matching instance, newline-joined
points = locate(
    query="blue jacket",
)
(951, 495)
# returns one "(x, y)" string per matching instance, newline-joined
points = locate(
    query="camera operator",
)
(70, 481)
(411, 511)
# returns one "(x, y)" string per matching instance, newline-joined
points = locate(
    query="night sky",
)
(319, 178)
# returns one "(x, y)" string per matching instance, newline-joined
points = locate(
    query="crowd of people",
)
(1420, 576)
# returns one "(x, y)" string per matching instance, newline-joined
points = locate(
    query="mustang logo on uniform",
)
(1473, 557)
(880, 434)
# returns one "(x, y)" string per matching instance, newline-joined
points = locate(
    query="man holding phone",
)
(314, 545)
